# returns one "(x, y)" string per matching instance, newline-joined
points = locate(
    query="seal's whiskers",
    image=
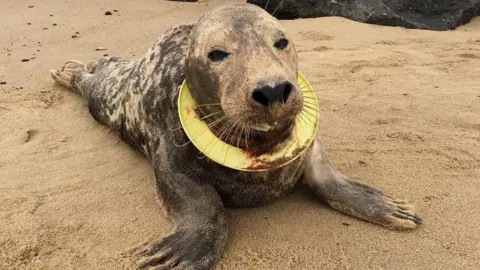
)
(229, 131)
(203, 118)
(232, 137)
(239, 136)
(222, 130)
(247, 130)
(205, 129)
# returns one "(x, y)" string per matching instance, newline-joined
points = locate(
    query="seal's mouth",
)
(277, 125)
(258, 137)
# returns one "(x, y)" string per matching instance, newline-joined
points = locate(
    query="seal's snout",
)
(268, 96)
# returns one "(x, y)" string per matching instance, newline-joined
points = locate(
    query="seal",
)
(241, 69)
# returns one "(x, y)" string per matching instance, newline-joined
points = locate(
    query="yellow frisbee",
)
(212, 147)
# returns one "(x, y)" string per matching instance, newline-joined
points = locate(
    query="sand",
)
(400, 111)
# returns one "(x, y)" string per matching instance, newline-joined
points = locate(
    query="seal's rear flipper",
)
(66, 76)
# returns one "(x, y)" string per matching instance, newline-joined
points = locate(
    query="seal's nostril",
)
(286, 91)
(267, 96)
(259, 97)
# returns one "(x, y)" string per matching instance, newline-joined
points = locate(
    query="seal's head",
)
(241, 69)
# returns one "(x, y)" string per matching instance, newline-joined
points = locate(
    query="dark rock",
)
(30, 6)
(54, 24)
(115, 10)
(3, 83)
(183, 0)
(74, 36)
(29, 23)
(438, 15)
(108, 13)
(25, 60)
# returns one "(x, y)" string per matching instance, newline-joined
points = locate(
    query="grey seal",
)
(241, 64)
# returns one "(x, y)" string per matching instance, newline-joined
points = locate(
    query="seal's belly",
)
(247, 189)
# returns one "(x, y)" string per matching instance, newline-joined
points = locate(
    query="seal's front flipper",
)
(354, 198)
(200, 227)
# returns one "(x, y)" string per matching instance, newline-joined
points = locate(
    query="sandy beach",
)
(400, 110)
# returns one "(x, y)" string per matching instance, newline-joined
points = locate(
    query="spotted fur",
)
(138, 99)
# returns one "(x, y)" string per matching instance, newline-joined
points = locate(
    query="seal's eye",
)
(217, 55)
(281, 44)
